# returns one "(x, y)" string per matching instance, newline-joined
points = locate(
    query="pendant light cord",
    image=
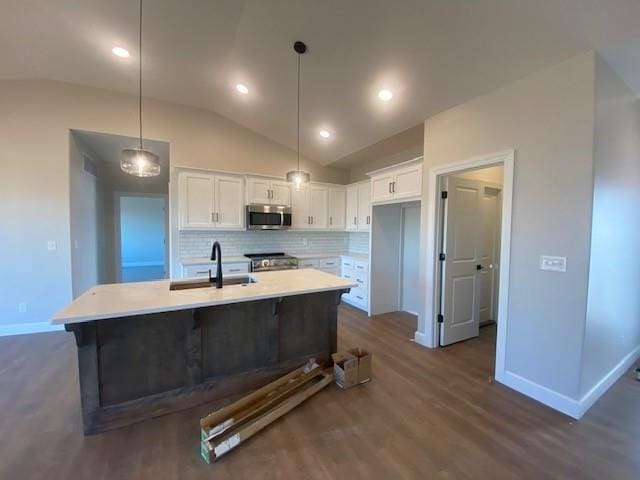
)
(140, 79)
(298, 147)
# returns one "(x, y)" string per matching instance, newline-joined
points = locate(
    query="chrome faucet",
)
(216, 254)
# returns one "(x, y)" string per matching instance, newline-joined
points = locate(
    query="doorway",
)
(468, 271)
(428, 332)
(141, 233)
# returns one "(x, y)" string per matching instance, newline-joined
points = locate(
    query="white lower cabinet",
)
(326, 264)
(358, 272)
(202, 270)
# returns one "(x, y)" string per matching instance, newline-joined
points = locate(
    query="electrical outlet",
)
(22, 307)
(553, 264)
(51, 245)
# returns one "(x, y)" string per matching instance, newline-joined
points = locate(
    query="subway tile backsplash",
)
(198, 243)
(359, 242)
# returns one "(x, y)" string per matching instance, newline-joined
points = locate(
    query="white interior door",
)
(228, 202)
(490, 228)
(461, 283)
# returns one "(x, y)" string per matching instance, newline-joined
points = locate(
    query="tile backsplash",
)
(359, 242)
(198, 243)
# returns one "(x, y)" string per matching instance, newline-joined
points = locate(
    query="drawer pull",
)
(359, 297)
(202, 273)
(235, 270)
(359, 281)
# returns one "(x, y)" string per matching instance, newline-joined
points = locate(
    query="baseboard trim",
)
(25, 328)
(550, 398)
(421, 339)
(600, 388)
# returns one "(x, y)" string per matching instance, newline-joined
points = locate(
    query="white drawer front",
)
(235, 268)
(348, 263)
(310, 263)
(190, 271)
(329, 262)
(362, 266)
(332, 271)
(348, 273)
(361, 280)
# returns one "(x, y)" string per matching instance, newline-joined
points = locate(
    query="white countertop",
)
(125, 299)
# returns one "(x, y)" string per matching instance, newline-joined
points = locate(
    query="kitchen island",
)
(144, 351)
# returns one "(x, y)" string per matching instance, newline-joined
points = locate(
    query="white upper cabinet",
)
(352, 208)
(196, 200)
(397, 183)
(310, 207)
(267, 191)
(358, 209)
(280, 193)
(229, 205)
(208, 201)
(408, 182)
(381, 188)
(300, 216)
(319, 206)
(337, 208)
(364, 207)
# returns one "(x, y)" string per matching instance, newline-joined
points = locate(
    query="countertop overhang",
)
(128, 299)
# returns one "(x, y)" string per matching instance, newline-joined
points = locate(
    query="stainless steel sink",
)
(243, 280)
(205, 283)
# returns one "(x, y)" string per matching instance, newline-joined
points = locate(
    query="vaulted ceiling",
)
(432, 54)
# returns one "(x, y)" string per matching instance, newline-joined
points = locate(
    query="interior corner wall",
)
(36, 118)
(612, 336)
(547, 118)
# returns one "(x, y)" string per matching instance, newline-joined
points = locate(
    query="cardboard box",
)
(364, 364)
(345, 369)
(352, 367)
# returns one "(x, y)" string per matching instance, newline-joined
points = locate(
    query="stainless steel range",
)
(264, 262)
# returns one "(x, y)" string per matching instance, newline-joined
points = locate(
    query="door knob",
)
(478, 267)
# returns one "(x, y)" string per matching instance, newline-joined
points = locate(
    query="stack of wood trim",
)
(223, 430)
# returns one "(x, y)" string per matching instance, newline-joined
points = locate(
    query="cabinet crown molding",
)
(390, 168)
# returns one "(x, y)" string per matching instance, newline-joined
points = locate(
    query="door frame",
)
(430, 335)
(117, 248)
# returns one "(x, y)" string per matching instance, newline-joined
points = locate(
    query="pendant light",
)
(138, 161)
(298, 177)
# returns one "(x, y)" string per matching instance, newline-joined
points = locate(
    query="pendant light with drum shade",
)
(138, 161)
(298, 177)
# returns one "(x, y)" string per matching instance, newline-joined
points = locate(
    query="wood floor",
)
(426, 414)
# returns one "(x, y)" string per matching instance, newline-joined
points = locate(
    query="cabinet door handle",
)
(311, 219)
(355, 220)
(368, 220)
(390, 187)
(213, 217)
(330, 220)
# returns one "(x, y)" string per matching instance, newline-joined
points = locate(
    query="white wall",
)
(548, 119)
(34, 156)
(84, 203)
(409, 291)
(142, 230)
(613, 311)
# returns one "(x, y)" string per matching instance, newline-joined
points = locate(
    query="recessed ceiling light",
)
(242, 88)
(324, 133)
(120, 52)
(385, 95)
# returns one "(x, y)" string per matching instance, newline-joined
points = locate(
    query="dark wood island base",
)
(139, 367)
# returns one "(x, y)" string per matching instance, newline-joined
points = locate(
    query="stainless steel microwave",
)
(268, 217)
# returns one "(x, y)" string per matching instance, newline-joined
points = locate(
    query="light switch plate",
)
(553, 264)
